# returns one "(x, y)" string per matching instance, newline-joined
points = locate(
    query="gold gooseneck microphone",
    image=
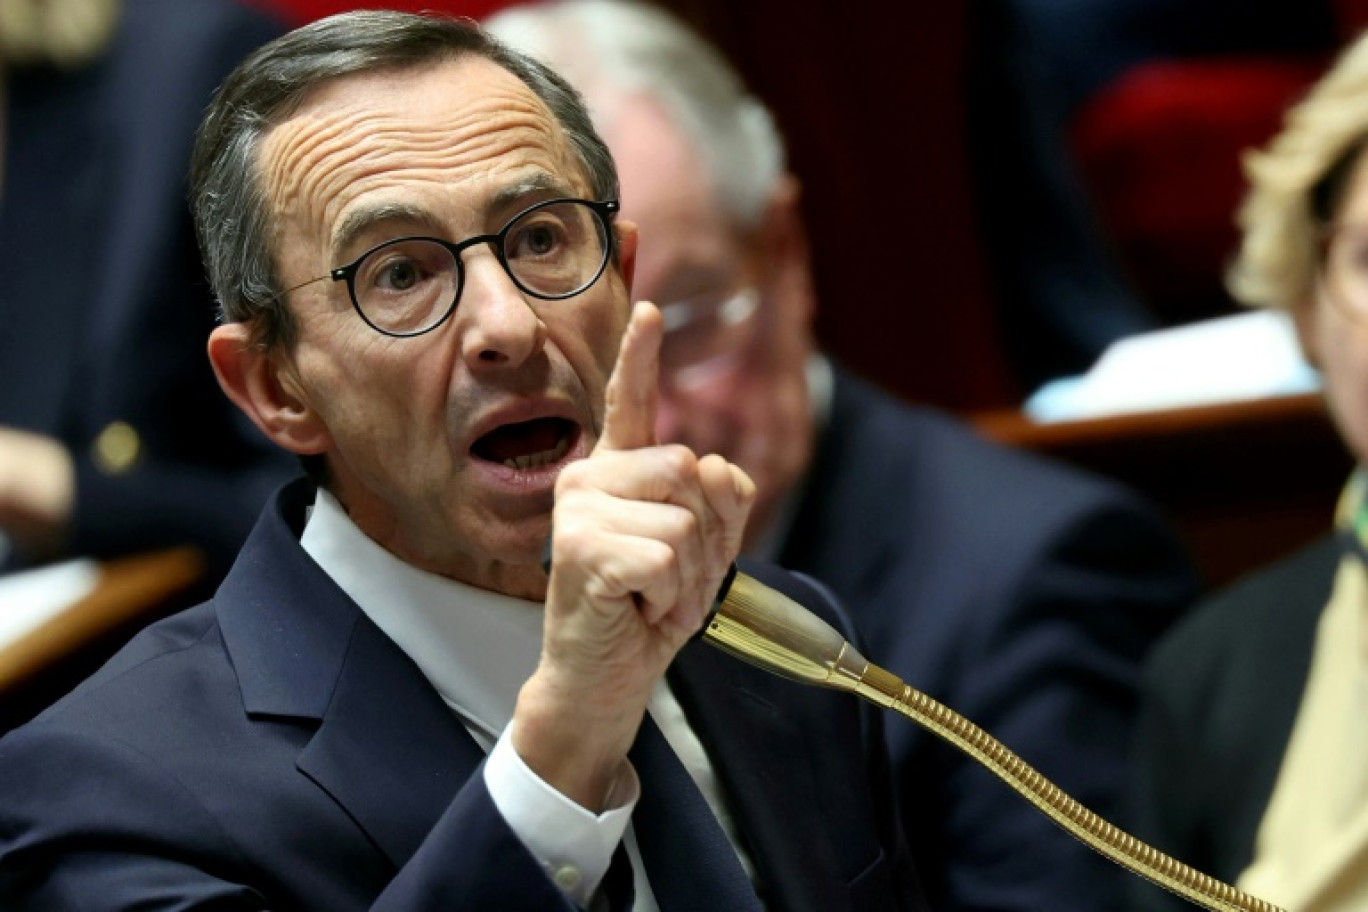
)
(766, 628)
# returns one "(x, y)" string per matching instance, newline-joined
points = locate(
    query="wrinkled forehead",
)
(455, 133)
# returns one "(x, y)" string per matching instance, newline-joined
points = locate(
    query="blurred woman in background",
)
(1253, 745)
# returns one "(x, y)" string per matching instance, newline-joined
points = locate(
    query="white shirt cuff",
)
(573, 845)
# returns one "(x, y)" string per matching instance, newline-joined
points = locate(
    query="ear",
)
(1305, 317)
(265, 386)
(785, 246)
(627, 237)
(783, 217)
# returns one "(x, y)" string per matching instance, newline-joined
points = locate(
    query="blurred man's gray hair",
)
(611, 49)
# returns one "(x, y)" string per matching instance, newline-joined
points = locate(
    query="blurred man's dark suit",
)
(1021, 594)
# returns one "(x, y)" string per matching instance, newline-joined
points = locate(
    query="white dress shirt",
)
(476, 648)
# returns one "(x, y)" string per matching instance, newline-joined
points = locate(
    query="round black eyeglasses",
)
(410, 285)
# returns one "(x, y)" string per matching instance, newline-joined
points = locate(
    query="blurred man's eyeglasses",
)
(410, 285)
(705, 336)
(1344, 269)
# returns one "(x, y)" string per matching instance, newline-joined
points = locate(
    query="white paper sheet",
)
(1247, 356)
(31, 598)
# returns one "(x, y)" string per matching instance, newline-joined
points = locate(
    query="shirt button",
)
(567, 877)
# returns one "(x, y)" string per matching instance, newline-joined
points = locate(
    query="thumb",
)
(630, 400)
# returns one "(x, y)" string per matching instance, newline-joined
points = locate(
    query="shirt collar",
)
(475, 647)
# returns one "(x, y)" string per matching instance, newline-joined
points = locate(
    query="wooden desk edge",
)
(1013, 427)
(127, 588)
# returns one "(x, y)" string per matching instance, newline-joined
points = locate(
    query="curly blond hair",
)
(1295, 185)
(65, 33)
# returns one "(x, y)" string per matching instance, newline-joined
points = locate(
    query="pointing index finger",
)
(630, 399)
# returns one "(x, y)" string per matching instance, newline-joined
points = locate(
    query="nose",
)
(499, 328)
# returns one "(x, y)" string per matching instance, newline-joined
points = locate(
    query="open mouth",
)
(528, 444)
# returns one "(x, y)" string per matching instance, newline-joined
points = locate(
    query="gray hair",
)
(609, 48)
(232, 217)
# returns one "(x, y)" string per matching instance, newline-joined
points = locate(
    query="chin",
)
(518, 542)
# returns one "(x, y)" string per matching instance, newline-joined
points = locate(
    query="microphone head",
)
(766, 628)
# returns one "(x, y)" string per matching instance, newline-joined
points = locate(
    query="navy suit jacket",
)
(1019, 593)
(273, 749)
(1221, 695)
(104, 310)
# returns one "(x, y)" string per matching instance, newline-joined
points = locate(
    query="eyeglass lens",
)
(409, 285)
(703, 331)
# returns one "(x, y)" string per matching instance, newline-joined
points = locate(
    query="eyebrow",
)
(357, 222)
(539, 183)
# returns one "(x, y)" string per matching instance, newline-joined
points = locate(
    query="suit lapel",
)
(387, 748)
(761, 757)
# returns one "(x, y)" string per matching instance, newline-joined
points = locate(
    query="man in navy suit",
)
(1019, 593)
(389, 703)
(114, 437)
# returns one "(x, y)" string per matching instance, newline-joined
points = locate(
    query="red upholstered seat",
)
(1159, 149)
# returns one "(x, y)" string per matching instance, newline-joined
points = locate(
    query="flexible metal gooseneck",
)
(763, 627)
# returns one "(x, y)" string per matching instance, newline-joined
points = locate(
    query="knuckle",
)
(679, 460)
(660, 560)
(570, 543)
(687, 524)
(573, 477)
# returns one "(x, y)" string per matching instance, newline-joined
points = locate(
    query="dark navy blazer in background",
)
(272, 749)
(104, 311)
(1022, 595)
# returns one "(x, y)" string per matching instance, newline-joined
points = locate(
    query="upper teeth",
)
(537, 460)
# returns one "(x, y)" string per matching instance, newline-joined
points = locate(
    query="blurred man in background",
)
(1021, 594)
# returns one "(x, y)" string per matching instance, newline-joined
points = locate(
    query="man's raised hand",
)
(643, 536)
